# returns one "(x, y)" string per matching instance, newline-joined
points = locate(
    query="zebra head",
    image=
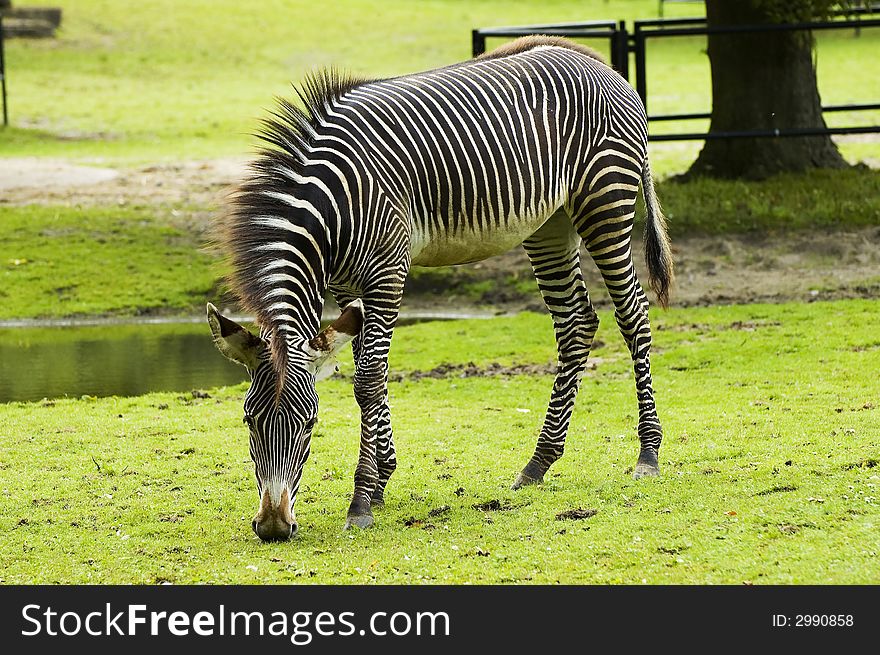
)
(281, 414)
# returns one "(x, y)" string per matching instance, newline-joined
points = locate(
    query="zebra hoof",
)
(531, 474)
(361, 521)
(377, 499)
(523, 480)
(647, 466)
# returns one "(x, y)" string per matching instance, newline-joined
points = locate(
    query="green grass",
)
(177, 80)
(770, 471)
(818, 199)
(62, 261)
(134, 82)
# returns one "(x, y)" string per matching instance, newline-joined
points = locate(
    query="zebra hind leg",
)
(605, 223)
(553, 253)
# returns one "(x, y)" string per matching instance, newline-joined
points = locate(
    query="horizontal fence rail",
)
(597, 29)
(622, 44)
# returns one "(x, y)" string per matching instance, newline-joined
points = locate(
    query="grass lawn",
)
(63, 261)
(171, 80)
(770, 467)
(147, 81)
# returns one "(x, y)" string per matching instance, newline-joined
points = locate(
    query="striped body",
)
(481, 166)
(539, 144)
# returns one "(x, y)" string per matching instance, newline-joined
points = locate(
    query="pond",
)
(110, 360)
(106, 358)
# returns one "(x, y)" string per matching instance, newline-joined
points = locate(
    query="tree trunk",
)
(761, 80)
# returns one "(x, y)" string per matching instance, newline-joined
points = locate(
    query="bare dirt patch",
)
(36, 175)
(493, 505)
(471, 370)
(34, 180)
(818, 265)
(577, 514)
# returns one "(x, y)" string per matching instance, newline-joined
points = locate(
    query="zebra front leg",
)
(386, 457)
(553, 253)
(385, 454)
(371, 393)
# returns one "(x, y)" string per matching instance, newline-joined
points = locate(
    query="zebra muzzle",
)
(275, 522)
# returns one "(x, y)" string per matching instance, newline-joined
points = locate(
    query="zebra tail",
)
(658, 252)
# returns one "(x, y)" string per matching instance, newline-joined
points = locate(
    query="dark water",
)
(121, 359)
(110, 360)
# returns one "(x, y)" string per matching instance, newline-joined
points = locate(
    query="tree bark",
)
(761, 80)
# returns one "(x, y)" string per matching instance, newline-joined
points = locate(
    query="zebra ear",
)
(332, 338)
(233, 341)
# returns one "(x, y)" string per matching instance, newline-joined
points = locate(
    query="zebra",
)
(538, 143)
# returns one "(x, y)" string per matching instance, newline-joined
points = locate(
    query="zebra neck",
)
(296, 283)
(292, 252)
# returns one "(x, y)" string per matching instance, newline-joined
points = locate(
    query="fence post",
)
(641, 72)
(620, 50)
(478, 43)
(3, 74)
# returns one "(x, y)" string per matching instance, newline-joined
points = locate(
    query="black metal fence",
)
(622, 44)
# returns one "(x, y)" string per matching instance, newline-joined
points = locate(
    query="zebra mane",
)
(525, 43)
(241, 232)
(290, 126)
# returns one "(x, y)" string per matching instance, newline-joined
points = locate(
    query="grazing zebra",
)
(538, 143)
